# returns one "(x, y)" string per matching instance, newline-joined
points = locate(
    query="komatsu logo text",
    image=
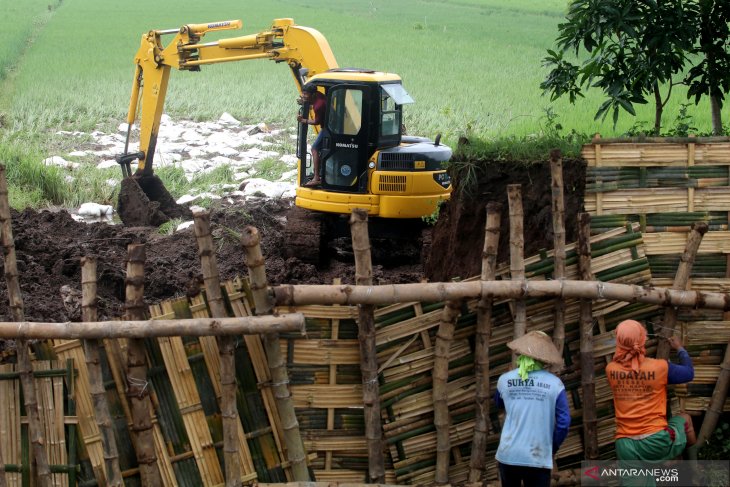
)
(219, 24)
(346, 146)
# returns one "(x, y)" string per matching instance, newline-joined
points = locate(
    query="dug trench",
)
(50, 244)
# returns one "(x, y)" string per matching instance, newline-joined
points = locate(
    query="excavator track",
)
(305, 234)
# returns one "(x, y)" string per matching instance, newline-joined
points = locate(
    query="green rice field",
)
(473, 66)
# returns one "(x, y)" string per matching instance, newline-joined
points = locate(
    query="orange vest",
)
(640, 399)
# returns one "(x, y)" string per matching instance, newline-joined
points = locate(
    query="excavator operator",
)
(312, 97)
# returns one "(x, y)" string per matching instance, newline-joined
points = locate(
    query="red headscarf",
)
(630, 340)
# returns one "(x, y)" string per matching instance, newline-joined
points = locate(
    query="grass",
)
(473, 67)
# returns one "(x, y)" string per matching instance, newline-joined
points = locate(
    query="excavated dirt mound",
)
(49, 246)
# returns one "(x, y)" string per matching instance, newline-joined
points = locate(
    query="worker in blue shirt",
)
(537, 418)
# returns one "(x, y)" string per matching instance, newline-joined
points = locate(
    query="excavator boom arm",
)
(302, 48)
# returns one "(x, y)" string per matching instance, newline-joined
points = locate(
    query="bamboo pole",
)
(588, 381)
(324, 294)
(226, 347)
(92, 353)
(138, 389)
(684, 270)
(17, 311)
(717, 403)
(277, 364)
(516, 257)
(556, 169)
(477, 460)
(441, 417)
(135, 329)
(368, 351)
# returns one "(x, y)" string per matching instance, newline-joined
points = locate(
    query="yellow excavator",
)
(366, 161)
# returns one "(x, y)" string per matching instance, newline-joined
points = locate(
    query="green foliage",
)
(711, 75)
(633, 49)
(33, 183)
(431, 219)
(271, 168)
(168, 228)
(490, 80)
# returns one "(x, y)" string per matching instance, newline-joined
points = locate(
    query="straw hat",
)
(537, 345)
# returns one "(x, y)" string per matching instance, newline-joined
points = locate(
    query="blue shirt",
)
(537, 418)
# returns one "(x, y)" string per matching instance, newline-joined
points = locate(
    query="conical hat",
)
(537, 345)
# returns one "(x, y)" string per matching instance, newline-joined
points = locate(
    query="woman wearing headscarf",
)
(538, 417)
(639, 386)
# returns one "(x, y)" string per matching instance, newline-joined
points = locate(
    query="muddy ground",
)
(49, 246)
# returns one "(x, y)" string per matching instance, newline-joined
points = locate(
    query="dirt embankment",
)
(458, 236)
(49, 246)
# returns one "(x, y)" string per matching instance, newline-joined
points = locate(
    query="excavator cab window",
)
(392, 98)
(346, 158)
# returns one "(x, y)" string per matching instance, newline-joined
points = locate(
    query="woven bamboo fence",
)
(54, 382)
(665, 186)
(185, 383)
(406, 339)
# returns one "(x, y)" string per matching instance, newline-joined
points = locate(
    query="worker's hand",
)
(301, 119)
(675, 342)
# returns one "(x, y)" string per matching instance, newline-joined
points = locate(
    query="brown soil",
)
(458, 236)
(49, 246)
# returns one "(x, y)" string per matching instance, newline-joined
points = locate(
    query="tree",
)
(635, 48)
(711, 75)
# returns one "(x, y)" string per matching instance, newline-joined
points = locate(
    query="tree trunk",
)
(659, 110)
(92, 352)
(368, 351)
(277, 363)
(717, 128)
(477, 460)
(138, 389)
(226, 347)
(25, 368)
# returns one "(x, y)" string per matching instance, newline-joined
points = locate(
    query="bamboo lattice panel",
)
(326, 387)
(665, 188)
(406, 338)
(184, 379)
(53, 381)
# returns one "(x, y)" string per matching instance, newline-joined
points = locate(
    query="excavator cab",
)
(365, 161)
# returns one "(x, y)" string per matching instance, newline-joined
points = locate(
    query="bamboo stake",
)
(556, 169)
(92, 352)
(279, 376)
(441, 417)
(684, 270)
(24, 364)
(516, 256)
(368, 351)
(590, 430)
(138, 389)
(226, 347)
(717, 403)
(477, 460)
(135, 329)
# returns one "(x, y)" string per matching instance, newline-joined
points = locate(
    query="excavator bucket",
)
(144, 201)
